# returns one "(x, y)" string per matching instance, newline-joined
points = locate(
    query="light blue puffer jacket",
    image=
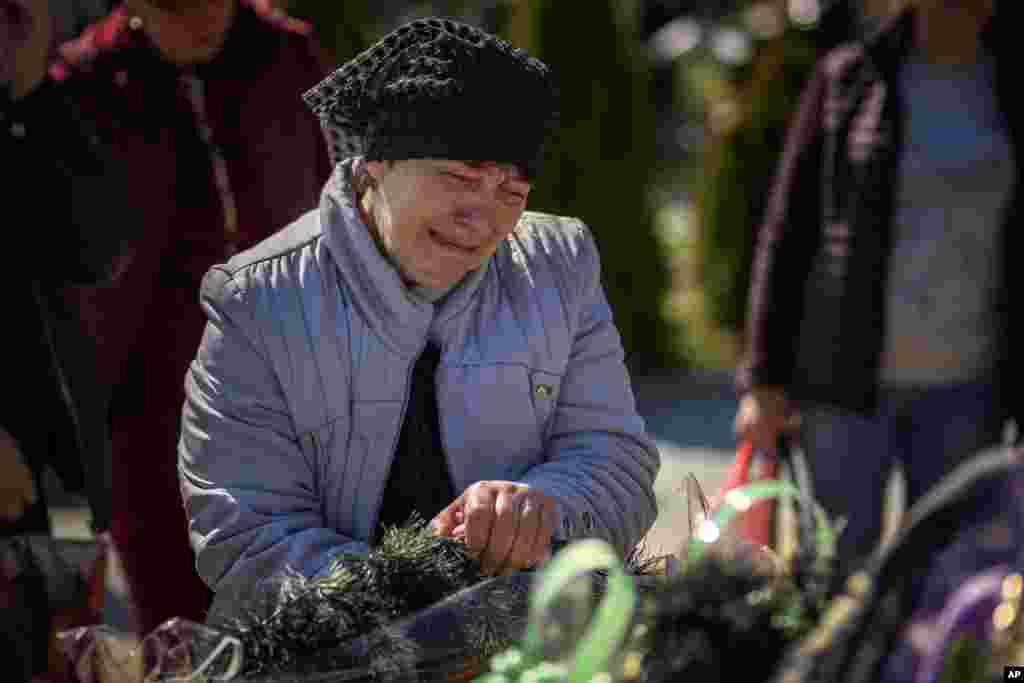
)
(296, 396)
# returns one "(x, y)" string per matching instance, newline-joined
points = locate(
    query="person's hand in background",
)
(763, 415)
(26, 33)
(17, 486)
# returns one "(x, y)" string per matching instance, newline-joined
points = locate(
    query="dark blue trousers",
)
(927, 430)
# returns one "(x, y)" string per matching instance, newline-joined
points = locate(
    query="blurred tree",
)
(746, 104)
(742, 153)
(344, 28)
(600, 164)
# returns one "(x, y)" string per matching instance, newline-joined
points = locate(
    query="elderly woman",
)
(187, 93)
(418, 343)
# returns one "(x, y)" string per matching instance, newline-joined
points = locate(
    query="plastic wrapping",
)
(46, 584)
(179, 650)
(455, 639)
(450, 641)
(459, 638)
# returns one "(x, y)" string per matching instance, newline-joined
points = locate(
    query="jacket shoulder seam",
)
(233, 272)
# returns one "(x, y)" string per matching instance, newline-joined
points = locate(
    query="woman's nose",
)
(473, 218)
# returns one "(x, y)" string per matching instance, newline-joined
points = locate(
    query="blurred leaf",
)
(344, 28)
(599, 166)
(739, 165)
(966, 662)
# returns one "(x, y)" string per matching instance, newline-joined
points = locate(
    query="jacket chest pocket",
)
(544, 390)
(495, 417)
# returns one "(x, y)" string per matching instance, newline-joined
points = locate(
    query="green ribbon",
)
(604, 636)
(742, 498)
(609, 627)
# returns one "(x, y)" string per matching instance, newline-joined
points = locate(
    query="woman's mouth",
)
(466, 250)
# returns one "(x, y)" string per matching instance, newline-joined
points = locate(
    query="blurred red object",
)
(757, 524)
(86, 612)
(48, 585)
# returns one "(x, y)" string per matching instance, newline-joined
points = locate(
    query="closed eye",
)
(514, 192)
(514, 189)
(468, 180)
(515, 195)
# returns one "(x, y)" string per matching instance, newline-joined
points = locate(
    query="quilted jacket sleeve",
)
(248, 482)
(599, 464)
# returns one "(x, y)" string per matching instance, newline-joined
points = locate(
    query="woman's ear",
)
(377, 169)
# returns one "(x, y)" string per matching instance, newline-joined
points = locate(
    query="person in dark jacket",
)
(199, 99)
(51, 414)
(883, 280)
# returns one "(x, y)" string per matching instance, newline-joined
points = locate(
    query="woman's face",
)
(440, 219)
(187, 32)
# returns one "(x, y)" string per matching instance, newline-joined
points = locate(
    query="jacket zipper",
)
(314, 444)
(444, 449)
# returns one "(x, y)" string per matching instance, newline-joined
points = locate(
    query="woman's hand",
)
(508, 526)
(26, 33)
(17, 486)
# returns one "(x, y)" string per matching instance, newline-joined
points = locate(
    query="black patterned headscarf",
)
(435, 88)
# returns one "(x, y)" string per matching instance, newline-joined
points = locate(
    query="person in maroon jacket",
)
(883, 289)
(52, 414)
(201, 98)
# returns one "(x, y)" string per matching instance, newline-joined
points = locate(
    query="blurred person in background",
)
(52, 413)
(199, 98)
(840, 22)
(882, 288)
(71, 17)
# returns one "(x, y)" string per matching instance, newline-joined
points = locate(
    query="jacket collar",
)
(249, 45)
(373, 283)
(892, 40)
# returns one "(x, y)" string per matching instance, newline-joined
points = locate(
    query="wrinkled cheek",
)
(424, 256)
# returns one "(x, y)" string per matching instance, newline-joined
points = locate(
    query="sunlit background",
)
(673, 116)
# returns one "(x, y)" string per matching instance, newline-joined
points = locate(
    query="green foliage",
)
(720, 620)
(592, 652)
(717, 621)
(738, 175)
(599, 166)
(966, 662)
(344, 29)
(298, 626)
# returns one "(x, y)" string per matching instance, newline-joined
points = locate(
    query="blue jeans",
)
(928, 430)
